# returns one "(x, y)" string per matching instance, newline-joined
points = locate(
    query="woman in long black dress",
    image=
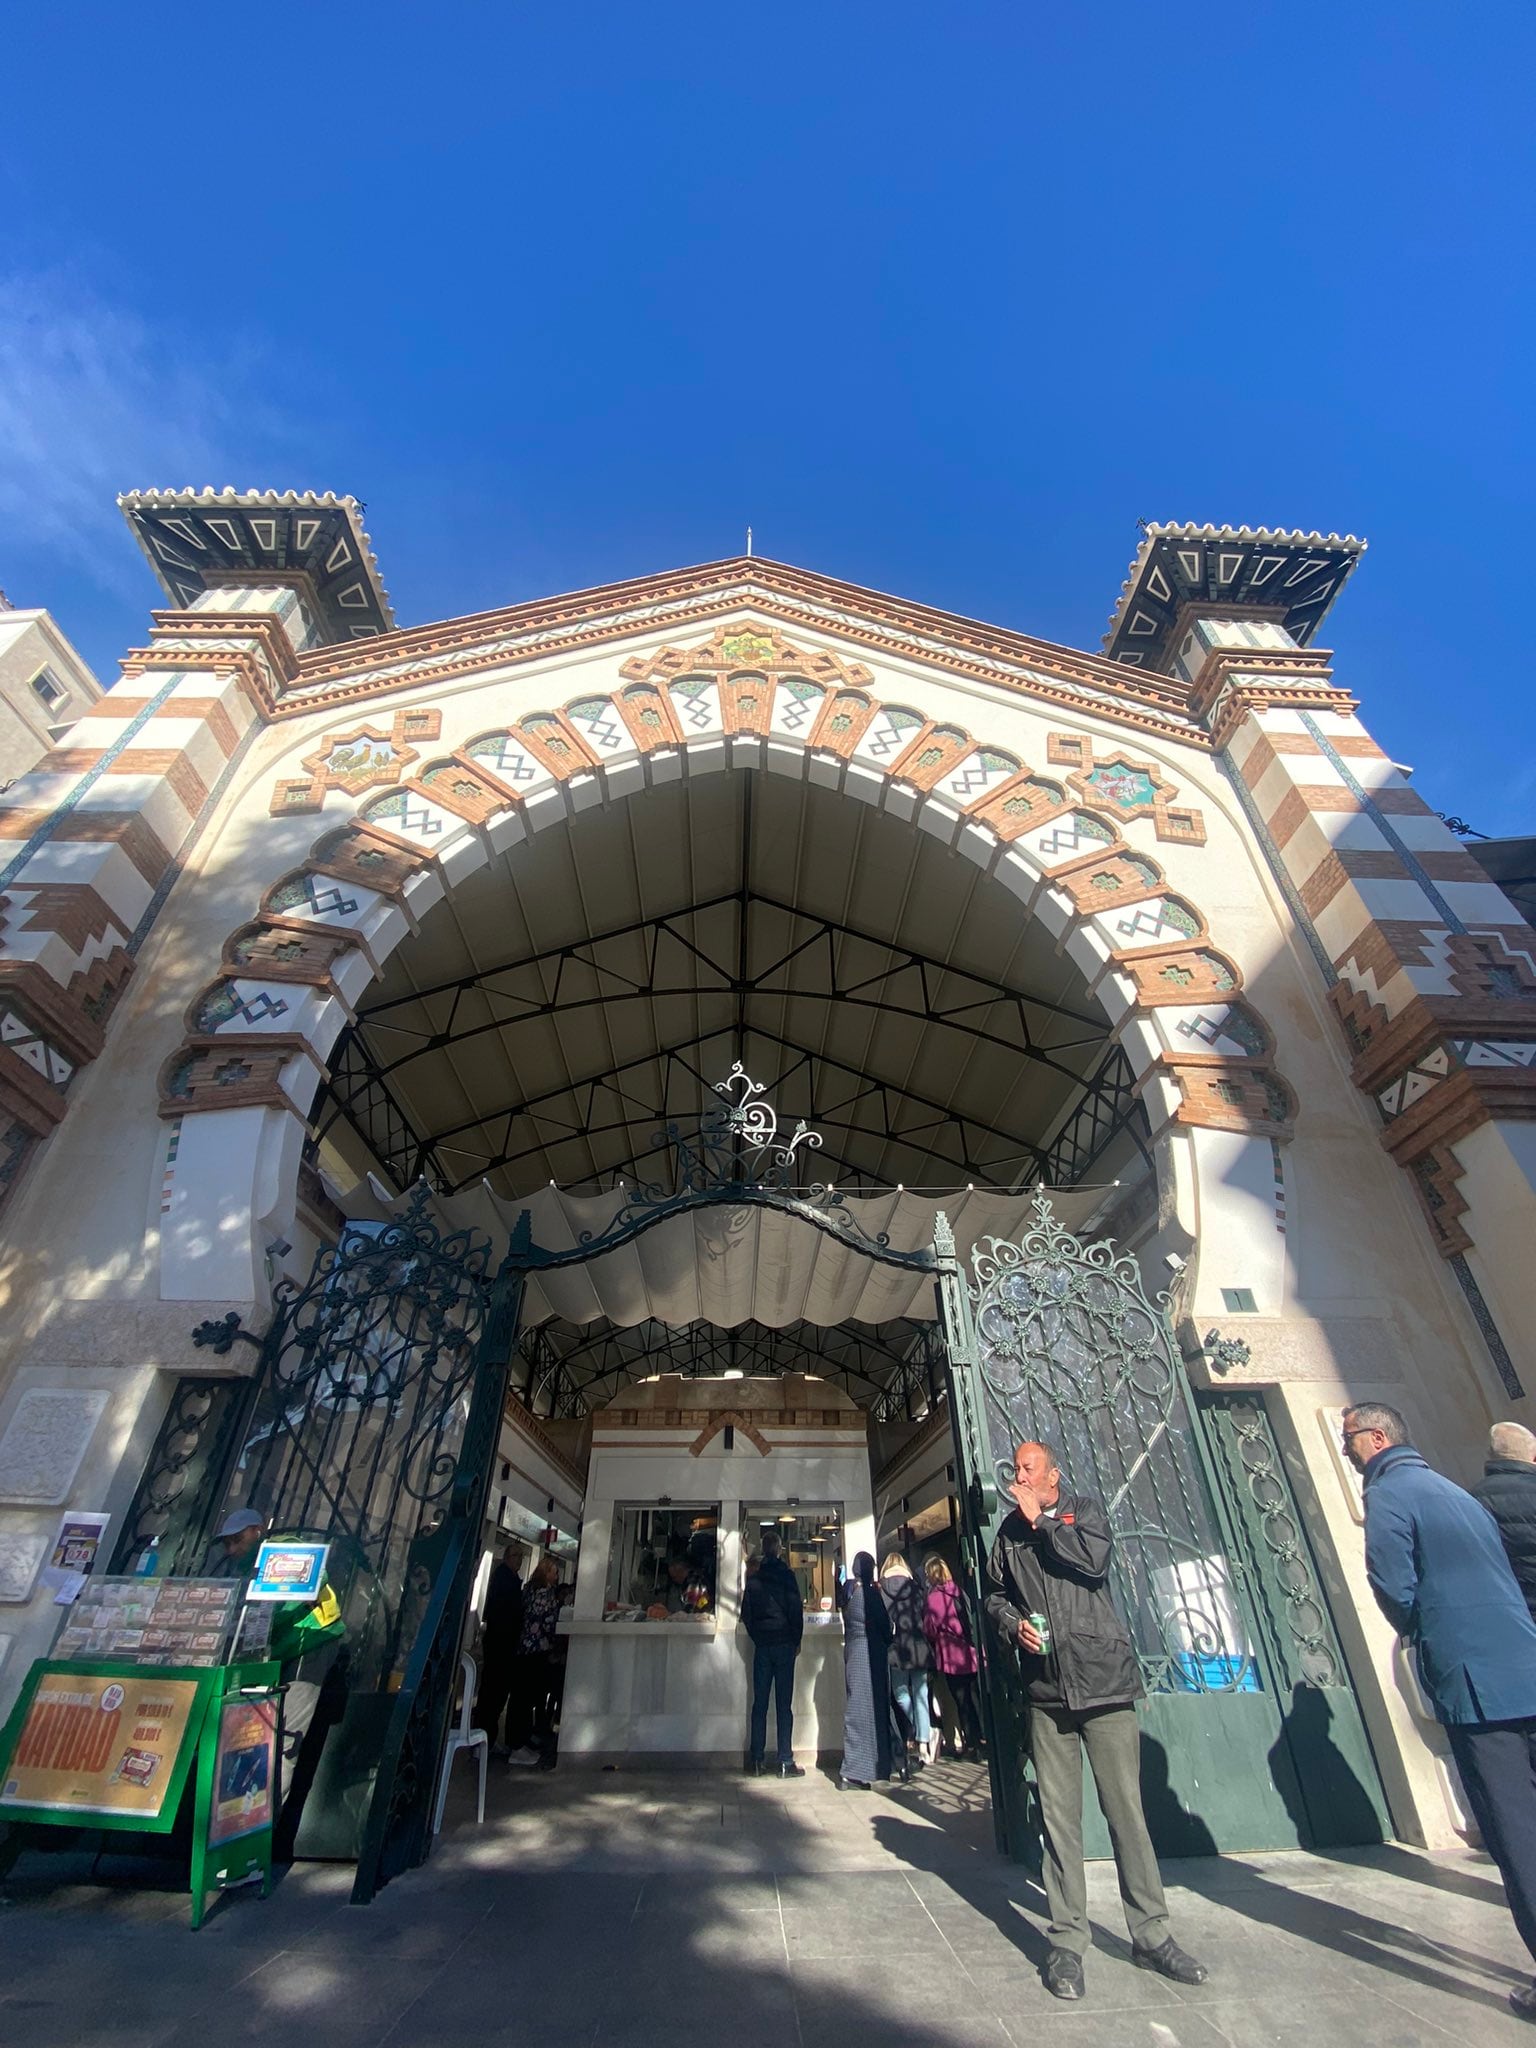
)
(866, 1655)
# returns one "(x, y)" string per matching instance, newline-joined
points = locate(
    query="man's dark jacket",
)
(771, 1607)
(1508, 1492)
(502, 1626)
(1059, 1569)
(1440, 1576)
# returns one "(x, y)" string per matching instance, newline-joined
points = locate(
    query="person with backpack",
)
(773, 1614)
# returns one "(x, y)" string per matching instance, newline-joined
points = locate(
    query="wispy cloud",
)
(95, 400)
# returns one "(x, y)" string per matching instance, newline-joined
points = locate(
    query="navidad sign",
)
(93, 1744)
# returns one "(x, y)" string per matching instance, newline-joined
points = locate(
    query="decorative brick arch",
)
(262, 1030)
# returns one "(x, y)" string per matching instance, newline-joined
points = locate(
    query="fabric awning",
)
(729, 1264)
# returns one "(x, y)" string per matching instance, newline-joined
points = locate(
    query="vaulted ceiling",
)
(591, 984)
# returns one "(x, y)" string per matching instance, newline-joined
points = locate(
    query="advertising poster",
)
(288, 1571)
(253, 1637)
(245, 1770)
(99, 1745)
(80, 1537)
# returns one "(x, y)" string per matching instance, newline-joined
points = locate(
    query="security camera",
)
(1174, 1263)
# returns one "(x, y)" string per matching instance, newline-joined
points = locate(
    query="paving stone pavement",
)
(626, 1909)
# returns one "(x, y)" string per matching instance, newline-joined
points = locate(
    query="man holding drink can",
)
(1048, 1593)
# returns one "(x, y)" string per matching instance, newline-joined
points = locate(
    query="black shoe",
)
(853, 1784)
(754, 1767)
(1063, 1974)
(791, 1770)
(1523, 2001)
(1169, 1960)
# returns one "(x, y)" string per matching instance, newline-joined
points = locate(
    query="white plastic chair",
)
(463, 1737)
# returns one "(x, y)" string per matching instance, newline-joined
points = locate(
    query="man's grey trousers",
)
(1058, 1737)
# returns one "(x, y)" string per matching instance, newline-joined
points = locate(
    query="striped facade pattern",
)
(1433, 969)
(92, 841)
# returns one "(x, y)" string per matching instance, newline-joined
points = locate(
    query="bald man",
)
(1051, 1559)
(1508, 1492)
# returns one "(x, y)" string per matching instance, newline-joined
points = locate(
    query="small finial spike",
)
(749, 540)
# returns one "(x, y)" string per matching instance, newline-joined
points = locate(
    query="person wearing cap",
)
(307, 1639)
(239, 1537)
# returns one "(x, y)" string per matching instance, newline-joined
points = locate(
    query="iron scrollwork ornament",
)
(222, 1335)
(1225, 1354)
(752, 1119)
(1257, 1468)
(1073, 1352)
(736, 1155)
(1051, 1308)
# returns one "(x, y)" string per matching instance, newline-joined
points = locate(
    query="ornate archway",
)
(1054, 833)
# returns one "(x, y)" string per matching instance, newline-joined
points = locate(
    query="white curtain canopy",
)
(729, 1264)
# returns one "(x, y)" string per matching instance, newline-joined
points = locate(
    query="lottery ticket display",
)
(151, 1621)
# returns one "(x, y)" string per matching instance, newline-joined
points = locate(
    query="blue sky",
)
(940, 300)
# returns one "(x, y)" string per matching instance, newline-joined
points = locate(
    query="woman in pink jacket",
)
(954, 1654)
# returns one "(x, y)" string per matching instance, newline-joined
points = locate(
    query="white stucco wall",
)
(683, 1689)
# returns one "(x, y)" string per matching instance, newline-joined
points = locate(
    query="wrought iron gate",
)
(376, 1410)
(1056, 1340)
(374, 1425)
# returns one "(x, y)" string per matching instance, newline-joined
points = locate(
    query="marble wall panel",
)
(43, 1443)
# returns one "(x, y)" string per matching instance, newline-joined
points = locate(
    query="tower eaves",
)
(1290, 576)
(196, 540)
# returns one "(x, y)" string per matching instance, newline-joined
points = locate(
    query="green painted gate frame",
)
(199, 1745)
(1323, 1770)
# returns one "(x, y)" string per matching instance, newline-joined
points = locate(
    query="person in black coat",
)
(1508, 1492)
(773, 1615)
(1440, 1576)
(1051, 1558)
(866, 1677)
(501, 1629)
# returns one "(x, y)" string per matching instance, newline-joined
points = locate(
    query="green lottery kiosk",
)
(153, 1726)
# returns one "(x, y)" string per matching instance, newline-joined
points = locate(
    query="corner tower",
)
(1430, 968)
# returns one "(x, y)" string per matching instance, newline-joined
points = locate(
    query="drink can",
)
(1041, 1624)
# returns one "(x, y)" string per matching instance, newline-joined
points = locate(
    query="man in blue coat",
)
(1438, 1569)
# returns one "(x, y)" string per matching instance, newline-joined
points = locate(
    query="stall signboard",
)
(237, 1783)
(288, 1571)
(111, 1747)
(245, 1769)
(95, 1743)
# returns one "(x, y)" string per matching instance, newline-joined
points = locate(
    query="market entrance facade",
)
(372, 1424)
(472, 923)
